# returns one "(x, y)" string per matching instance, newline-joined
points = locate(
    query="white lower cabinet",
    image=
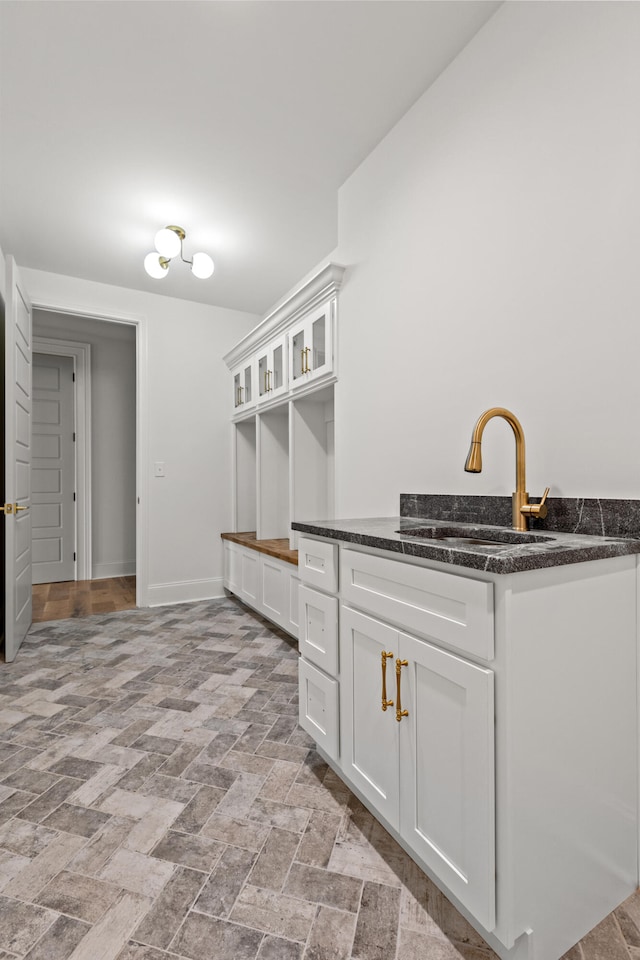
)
(268, 585)
(511, 776)
(417, 741)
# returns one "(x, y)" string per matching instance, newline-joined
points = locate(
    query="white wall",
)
(189, 403)
(492, 243)
(2, 275)
(113, 434)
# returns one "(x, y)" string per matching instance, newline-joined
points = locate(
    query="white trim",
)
(142, 429)
(185, 591)
(80, 353)
(113, 568)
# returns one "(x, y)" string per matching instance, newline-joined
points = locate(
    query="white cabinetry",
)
(244, 386)
(268, 585)
(511, 779)
(318, 641)
(283, 412)
(417, 741)
(311, 346)
(272, 369)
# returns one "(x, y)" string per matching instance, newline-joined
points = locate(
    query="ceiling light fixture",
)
(168, 243)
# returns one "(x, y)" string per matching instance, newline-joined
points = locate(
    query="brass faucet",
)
(521, 508)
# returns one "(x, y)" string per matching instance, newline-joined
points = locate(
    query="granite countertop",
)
(550, 548)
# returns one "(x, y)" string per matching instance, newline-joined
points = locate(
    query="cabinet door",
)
(244, 386)
(447, 805)
(272, 370)
(275, 590)
(311, 346)
(232, 560)
(250, 577)
(368, 734)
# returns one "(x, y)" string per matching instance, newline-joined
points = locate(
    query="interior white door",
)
(53, 518)
(17, 516)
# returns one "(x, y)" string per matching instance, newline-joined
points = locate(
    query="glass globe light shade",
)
(153, 266)
(168, 243)
(202, 266)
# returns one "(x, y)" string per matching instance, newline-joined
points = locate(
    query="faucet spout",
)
(521, 508)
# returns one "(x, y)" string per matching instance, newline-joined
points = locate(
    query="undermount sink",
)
(474, 536)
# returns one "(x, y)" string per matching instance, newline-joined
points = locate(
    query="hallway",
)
(81, 598)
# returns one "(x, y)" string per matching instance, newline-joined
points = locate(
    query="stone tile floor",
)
(159, 801)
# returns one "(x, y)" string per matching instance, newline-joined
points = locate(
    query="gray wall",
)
(113, 434)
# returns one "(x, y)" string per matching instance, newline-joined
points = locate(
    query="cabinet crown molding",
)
(322, 286)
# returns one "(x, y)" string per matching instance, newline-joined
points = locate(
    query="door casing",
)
(142, 431)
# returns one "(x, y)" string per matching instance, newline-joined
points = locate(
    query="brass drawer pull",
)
(400, 713)
(385, 703)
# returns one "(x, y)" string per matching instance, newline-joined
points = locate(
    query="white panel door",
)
(17, 519)
(53, 515)
(447, 812)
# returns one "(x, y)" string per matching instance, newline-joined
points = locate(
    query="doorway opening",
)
(84, 447)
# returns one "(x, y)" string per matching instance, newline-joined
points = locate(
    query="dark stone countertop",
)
(551, 548)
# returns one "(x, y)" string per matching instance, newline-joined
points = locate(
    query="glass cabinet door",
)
(318, 342)
(244, 394)
(278, 367)
(298, 355)
(263, 375)
(311, 347)
(271, 370)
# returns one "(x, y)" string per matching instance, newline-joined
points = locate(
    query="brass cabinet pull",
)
(400, 713)
(239, 397)
(266, 388)
(16, 507)
(385, 703)
(302, 359)
(307, 351)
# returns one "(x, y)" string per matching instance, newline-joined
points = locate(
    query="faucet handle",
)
(537, 509)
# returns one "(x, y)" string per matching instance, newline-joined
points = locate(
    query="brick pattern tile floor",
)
(158, 801)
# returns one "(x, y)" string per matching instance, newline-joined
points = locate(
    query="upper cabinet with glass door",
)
(311, 346)
(244, 387)
(294, 346)
(272, 370)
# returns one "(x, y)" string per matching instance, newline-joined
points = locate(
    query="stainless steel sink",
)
(473, 536)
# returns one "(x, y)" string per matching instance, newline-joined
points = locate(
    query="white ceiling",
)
(236, 120)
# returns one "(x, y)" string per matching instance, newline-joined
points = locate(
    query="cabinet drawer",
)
(318, 564)
(318, 625)
(455, 610)
(318, 712)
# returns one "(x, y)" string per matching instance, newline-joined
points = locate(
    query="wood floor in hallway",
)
(80, 598)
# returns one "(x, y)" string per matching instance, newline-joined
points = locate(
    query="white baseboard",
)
(117, 568)
(185, 591)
